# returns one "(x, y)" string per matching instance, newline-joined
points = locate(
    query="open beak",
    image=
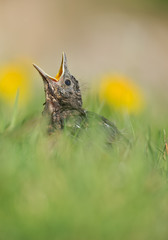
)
(62, 70)
(44, 75)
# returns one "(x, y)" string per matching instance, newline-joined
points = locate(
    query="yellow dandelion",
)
(121, 93)
(14, 78)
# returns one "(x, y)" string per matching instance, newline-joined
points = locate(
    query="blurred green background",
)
(61, 187)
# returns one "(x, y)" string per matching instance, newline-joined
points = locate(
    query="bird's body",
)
(63, 104)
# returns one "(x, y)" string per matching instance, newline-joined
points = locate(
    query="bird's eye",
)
(68, 82)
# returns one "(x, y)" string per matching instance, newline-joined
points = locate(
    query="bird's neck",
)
(51, 106)
(57, 114)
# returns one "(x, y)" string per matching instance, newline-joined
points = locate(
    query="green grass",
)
(60, 187)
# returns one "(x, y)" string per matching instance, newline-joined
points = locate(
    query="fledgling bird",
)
(63, 103)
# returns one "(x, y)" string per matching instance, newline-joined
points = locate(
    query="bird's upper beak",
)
(62, 68)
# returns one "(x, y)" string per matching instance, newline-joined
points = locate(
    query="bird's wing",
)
(109, 127)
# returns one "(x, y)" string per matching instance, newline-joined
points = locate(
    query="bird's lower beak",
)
(44, 75)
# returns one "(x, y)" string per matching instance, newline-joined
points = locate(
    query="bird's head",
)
(63, 89)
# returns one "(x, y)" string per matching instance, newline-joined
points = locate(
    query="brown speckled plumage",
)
(64, 103)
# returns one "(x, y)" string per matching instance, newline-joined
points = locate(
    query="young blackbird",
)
(63, 104)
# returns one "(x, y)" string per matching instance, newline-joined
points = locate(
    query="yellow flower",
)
(14, 78)
(121, 93)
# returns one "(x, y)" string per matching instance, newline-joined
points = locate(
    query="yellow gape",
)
(59, 74)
